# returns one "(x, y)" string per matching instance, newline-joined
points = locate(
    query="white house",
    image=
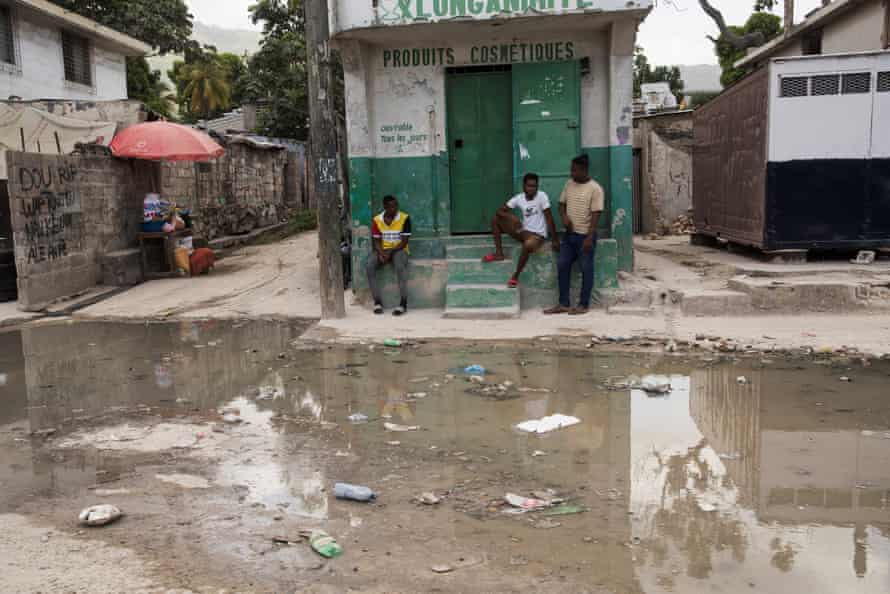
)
(47, 52)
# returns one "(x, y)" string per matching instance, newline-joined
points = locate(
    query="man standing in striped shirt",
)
(580, 206)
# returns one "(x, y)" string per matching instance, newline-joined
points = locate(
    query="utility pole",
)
(789, 16)
(323, 142)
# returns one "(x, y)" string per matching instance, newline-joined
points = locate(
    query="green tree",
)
(206, 86)
(163, 24)
(734, 42)
(146, 85)
(644, 73)
(762, 23)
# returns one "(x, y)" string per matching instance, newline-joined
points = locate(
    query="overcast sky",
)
(673, 34)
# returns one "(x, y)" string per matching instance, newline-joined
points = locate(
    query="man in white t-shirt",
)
(532, 231)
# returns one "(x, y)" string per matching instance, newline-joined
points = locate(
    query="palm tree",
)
(207, 87)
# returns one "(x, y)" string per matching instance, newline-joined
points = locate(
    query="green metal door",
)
(480, 147)
(546, 124)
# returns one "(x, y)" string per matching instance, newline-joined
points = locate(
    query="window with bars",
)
(78, 59)
(7, 41)
(884, 82)
(795, 86)
(826, 84)
(857, 83)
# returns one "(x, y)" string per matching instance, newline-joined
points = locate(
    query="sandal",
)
(556, 310)
(579, 311)
(493, 258)
(378, 309)
(513, 284)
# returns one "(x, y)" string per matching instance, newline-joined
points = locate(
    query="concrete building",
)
(839, 27)
(47, 52)
(450, 103)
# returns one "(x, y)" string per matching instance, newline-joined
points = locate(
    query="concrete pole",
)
(323, 142)
(789, 16)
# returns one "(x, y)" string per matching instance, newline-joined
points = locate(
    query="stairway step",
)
(474, 252)
(469, 272)
(472, 240)
(482, 313)
(477, 296)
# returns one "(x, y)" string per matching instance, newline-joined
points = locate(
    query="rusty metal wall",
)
(730, 162)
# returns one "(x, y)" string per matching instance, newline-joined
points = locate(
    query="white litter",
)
(100, 515)
(400, 428)
(655, 384)
(548, 424)
(741, 380)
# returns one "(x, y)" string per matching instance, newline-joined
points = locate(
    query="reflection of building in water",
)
(806, 490)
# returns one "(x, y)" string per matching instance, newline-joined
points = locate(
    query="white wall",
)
(834, 126)
(857, 31)
(383, 100)
(40, 73)
(358, 14)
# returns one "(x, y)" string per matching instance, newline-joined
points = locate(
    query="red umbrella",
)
(164, 141)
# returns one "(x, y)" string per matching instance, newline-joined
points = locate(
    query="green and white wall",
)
(396, 118)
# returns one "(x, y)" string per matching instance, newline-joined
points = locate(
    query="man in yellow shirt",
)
(390, 232)
(580, 206)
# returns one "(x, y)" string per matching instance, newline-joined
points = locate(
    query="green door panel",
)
(479, 147)
(546, 124)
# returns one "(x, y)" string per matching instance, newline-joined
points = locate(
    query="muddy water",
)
(215, 438)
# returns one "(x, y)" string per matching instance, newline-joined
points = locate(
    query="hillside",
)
(236, 41)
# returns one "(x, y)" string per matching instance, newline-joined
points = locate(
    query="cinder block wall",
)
(243, 190)
(68, 212)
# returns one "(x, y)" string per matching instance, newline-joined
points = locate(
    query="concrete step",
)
(707, 303)
(482, 313)
(814, 294)
(480, 296)
(475, 252)
(469, 272)
(472, 240)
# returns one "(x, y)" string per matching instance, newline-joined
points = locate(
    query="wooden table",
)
(168, 243)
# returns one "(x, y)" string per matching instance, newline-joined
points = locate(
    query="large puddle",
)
(778, 483)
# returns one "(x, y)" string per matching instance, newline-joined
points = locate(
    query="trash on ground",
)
(846, 379)
(358, 418)
(474, 370)
(732, 456)
(526, 390)
(418, 380)
(566, 509)
(864, 257)
(442, 568)
(110, 492)
(527, 504)
(547, 424)
(429, 499)
(656, 384)
(392, 342)
(393, 443)
(418, 395)
(100, 515)
(538, 453)
(231, 419)
(742, 380)
(323, 543)
(400, 428)
(354, 492)
(477, 379)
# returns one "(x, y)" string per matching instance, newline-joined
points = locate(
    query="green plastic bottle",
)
(392, 342)
(324, 544)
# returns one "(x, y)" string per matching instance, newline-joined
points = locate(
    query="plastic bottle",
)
(392, 343)
(353, 492)
(475, 370)
(324, 544)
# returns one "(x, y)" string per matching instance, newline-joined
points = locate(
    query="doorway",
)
(504, 122)
(8, 289)
(480, 145)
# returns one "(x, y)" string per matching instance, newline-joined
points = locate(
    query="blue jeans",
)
(572, 251)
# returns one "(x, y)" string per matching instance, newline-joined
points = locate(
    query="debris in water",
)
(442, 568)
(186, 481)
(418, 380)
(548, 424)
(527, 503)
(400, 428)
(732, 456)
(100, 515)
(525, 390)
(846, 379)
(358, 418)
(354, 492)
(429, 499)
(418, 395)
(742, 380)
(394, 443)
(477, 379)
(538, 454)
(475, 370)
(655, 384)
(565, 510)
(392, 342)
(323, 543)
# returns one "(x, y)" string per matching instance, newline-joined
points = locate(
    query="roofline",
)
(125, 44)
(820, 17)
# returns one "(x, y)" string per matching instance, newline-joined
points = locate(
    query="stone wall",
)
(666, 145)
(67, 212)
(243, 190)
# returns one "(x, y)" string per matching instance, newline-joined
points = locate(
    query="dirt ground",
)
(221, 442)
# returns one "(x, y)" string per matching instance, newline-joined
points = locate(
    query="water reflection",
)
(778, 484)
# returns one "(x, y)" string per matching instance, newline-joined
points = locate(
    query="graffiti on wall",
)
(46, 204)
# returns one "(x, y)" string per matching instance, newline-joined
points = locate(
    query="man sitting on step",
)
(391, 232)
(536, 226)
